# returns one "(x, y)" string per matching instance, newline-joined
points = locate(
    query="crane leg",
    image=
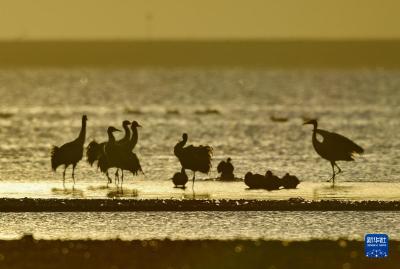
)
(73, 174)
(333, 173)
(117, 177)
(122, 177)
(194, 175)
(65, 168)
(109, 180)
(340, 170)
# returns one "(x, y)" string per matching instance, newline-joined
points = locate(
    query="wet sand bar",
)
(30, 253)
(105, 205)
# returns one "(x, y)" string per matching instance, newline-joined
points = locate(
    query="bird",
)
(272, 182)
(289, 181)
(70, 153)
(194, 158)
(180, 179)
(135, 135)
(129, 160)
(254, 181)
(225, 168)
(95, 150)
(334, 147)
(120, 155)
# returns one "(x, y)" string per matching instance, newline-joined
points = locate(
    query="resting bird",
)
(180, 179)
(333, 148)
(226, 170)
(195, 158)
(69, 153)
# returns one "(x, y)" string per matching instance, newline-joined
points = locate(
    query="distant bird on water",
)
(333, 148)
(225, 168)
(70, 153)
(195, 158)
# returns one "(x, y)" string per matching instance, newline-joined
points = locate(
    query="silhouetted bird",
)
(254, 181)
(69, 153)
(130, 144)
(289, 181)
(119, 156)
(334, 147)
(180, 179)
(135, 135)
(272, 182)
(226, 170)
(95, 150)
(129, 160)
(195, 158)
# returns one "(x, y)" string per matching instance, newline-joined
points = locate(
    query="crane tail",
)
(204, 154)
(93, 152)
(358, 150)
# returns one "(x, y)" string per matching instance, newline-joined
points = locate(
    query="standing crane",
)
(120, 155)
(334, 147)
(195, 158)
(95, 150)
(69, 153)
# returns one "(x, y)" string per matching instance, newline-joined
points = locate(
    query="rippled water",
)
(162, 189)
(39, 108)
(200, 225)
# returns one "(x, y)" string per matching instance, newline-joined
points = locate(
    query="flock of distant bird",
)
(119, 154)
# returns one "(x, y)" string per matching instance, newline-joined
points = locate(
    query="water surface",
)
(200, 225)
(229, 109)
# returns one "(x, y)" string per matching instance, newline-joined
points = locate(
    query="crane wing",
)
(339, 142)
(197, 158)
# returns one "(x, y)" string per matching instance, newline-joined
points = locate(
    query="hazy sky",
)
(199, 19)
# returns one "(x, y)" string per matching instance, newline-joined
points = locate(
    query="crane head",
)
(184, 136)
(126, 123)
(112, 129)
(313, 122)
(135, 124)
(84, 118)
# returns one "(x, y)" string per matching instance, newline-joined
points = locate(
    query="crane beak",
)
(139, 125)
(117, 130)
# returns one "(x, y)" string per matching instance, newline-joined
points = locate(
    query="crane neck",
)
(314, 137)
(82, 133)
(315, 124)
(127, 133)
(179, 146)
(111, 138)
(135, 137)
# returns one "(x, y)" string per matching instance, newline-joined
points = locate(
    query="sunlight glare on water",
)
(302, 225)
(229, 109)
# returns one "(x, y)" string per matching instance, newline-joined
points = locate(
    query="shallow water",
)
(163, 189)
(42, 107)
(200, 225)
